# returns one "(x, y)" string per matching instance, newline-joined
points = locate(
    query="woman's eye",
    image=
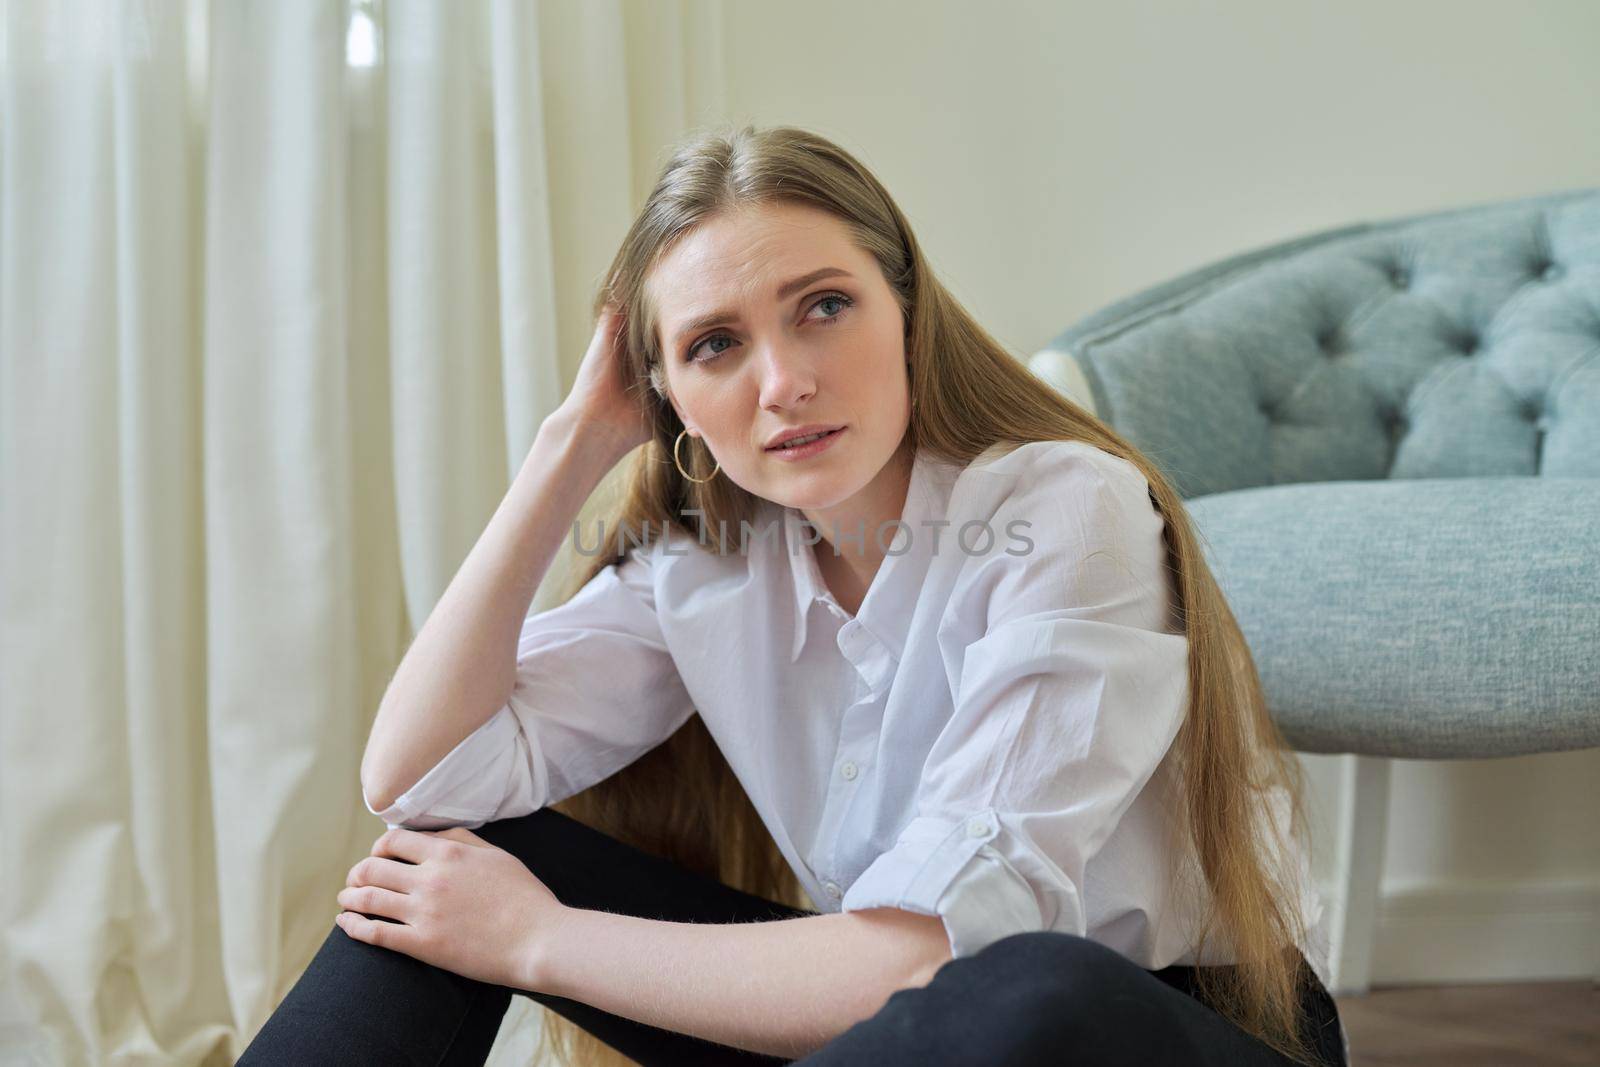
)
(837, 300)
(714, 337)
(833, 298)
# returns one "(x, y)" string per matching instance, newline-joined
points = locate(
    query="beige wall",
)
(1056, 156)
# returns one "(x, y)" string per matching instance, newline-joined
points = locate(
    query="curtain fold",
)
(280, 314)
(282, 673)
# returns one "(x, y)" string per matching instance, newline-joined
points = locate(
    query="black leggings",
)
(1031, 998)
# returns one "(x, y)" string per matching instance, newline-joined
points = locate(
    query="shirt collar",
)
(886, 610)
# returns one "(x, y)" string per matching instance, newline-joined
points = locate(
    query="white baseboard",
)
(1471, 931)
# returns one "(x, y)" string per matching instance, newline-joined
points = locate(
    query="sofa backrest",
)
(1459, 343)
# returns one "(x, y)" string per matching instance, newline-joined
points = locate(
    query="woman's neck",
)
(849, 562)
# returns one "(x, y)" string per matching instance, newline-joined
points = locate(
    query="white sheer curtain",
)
(280, 310)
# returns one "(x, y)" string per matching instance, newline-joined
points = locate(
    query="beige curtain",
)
(286, 287)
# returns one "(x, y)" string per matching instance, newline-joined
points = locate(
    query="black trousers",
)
(1028, 999)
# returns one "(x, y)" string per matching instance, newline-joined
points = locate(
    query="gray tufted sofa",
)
(1388, 436)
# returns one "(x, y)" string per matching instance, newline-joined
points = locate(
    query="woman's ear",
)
(658, 382)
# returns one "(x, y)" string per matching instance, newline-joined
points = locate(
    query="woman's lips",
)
(806, 451)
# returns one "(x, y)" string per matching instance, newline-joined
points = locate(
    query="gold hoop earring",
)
(679, 463)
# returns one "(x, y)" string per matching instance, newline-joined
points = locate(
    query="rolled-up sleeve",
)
(1064, 707)
(596, 688)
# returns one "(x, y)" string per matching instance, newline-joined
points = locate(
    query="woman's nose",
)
(787, 378)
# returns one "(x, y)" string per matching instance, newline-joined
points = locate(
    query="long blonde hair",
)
(681, 800)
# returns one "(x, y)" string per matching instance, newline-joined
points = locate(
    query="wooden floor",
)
(1520, 1025)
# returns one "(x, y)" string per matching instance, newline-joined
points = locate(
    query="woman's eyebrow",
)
(787, 289)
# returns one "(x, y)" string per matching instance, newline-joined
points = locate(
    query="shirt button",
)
(977, 827)
(848, 770)
(832, 889)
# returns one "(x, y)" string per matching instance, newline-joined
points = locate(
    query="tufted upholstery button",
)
(1551, 272)
(1399, 277)
(1394, 420)
(1469, 344)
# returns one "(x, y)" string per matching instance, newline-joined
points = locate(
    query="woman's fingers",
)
(379, 871)
(376, 900)
(414, 846)
(396, 936)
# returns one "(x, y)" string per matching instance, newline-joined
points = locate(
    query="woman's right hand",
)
(601, 399)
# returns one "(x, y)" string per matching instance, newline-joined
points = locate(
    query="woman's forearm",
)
(461, 666)
(784, 987)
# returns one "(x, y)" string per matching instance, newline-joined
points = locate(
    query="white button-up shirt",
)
(986, 740)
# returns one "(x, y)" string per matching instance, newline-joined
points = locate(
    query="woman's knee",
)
(1045, 987)
(1066, 959)
(532, 837)
(1014, 1001)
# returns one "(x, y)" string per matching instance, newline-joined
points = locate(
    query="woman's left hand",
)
(461, 904)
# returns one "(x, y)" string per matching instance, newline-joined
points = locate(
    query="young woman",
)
(927, 740)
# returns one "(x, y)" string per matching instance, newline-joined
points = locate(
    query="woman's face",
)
(771, 319)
